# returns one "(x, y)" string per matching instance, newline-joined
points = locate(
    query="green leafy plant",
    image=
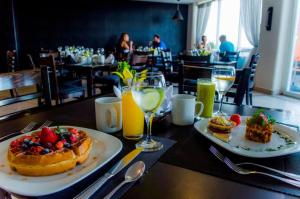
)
(125, 72)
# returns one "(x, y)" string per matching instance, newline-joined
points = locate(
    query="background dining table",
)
(20, 79)
(188, 169)
(88, 70)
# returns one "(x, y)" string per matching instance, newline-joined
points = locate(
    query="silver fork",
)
(287, 174)
(46, 124)
(26, 129)
(243, 171)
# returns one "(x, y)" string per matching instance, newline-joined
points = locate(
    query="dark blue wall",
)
(6, 32)
(96, 23)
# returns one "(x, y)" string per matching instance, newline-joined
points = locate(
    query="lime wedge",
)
(150, 100)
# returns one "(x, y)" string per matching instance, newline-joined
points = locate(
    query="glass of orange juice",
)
(133, 117)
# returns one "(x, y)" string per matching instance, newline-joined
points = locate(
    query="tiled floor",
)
(259, 99)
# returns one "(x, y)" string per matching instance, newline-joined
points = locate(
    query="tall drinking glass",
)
(224, 77)
(206, 95)
(148, 91)
(133, 117)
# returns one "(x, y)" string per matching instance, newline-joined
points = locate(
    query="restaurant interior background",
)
(32, 25)
(70, 73)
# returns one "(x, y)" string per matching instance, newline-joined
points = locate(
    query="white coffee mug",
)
(108, 114)
(183, 109)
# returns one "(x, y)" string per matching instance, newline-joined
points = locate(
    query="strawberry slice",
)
(59, 145)
(73, 138)
(73, 131)
(48, 136)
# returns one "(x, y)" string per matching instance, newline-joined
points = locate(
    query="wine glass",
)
(223, 77)
(148, 91)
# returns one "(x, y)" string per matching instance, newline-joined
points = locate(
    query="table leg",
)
(90, 83)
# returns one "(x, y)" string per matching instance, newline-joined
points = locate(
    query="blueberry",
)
(26, 141)
(45, 151)
(30, 143)
(67, 145)
(25, 146)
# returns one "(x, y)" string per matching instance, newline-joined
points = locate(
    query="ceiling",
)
(175, 1)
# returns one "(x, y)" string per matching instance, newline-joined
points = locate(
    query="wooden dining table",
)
(178, 173)
(19, 79)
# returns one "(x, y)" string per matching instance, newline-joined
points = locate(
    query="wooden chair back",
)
(11, 60)
(167, 59)
(190, 73)
(139, 59)
(31, 62)
(242, 86)
(50, 62)
(195, 60)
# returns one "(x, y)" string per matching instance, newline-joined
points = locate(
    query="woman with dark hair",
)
(124, 47)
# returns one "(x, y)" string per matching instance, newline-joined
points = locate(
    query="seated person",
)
(158, 43)
(124, 46)
(225, 46)
(203, 44)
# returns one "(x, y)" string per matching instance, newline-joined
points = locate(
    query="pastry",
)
(259, 128)
(49, 151)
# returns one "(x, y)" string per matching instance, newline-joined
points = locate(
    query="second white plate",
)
(284, 141)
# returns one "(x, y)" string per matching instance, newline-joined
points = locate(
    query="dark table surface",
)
(169, 178)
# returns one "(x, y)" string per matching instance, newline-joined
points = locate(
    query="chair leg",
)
(16, 92)
(250, 96)
(12, 94)
(247, 98)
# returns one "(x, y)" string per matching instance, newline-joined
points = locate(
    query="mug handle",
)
(201, 109)
(113, 119)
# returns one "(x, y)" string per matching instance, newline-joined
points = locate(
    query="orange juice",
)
(133, 117)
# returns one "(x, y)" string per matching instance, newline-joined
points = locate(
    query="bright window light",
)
(224, 19)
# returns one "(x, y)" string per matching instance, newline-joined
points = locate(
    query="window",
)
(224, 19)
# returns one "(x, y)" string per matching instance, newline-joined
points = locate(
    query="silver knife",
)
(90, 190)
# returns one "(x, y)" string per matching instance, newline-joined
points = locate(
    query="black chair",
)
(250, 82)
(229, 56)
(105, 82)
(195, 60)
(11, 60)
(167, 60)
(139, 60)
(243, 82)
(188, 75)
(56, 87)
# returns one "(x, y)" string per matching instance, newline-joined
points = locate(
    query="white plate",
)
(105, 147)
(285, 141)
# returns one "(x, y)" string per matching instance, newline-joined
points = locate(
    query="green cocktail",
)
(206, 95)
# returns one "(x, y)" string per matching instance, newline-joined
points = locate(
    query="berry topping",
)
(24, 146)
(36, 149)
(73, 131)
(45, 151)
(15, 143)
(48, 136)
(236, 118)
(59, 145)
(73, 138)
(67, 145)
(48, 145)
